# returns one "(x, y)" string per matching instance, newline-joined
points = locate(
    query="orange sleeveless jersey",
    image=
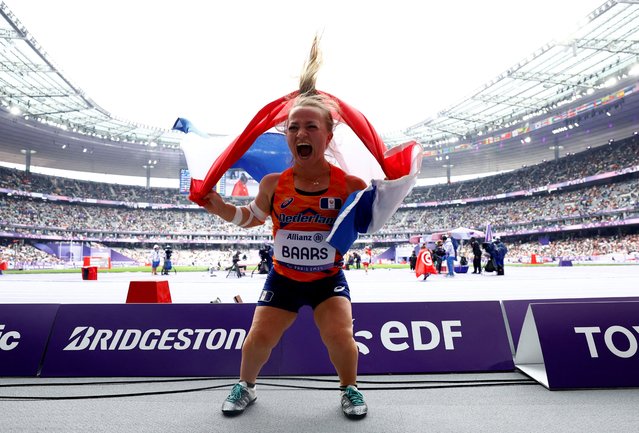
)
(301, 223)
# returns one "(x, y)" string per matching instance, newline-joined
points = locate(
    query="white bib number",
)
(304, 251)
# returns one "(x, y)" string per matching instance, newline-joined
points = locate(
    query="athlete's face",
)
(307, 134)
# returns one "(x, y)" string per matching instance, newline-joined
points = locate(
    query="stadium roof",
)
(45, 115)
(604, 49)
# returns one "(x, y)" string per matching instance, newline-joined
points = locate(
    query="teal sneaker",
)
(353, 404)
(240, 398)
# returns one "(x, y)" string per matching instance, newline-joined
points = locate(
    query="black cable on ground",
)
(379, 382)
(101, 396)
(207, 388)
(289, 378)
(401, 388)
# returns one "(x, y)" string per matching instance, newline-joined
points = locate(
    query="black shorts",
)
(287, 294)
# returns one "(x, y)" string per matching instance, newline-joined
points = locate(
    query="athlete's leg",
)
(334, 320)
(268, 325)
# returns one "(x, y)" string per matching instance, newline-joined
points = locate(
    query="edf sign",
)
(394, 335)
(410, 337)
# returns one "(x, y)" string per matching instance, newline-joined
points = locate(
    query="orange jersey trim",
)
(301, 211)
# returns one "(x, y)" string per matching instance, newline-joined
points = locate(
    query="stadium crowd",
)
(616, 247)
(18, 180)
(614, 156)
(24, 213)
(597, 203)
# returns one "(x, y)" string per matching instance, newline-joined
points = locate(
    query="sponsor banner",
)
(431, 337)
(581, 344)
(410, 338)
(148, 340)
(24, 330)
(515, 311)
(206, 340)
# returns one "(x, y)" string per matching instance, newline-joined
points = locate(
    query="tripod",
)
(261, 268)
(167, 267)
(235, 268)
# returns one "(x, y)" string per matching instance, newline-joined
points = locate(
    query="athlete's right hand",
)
(214, 202)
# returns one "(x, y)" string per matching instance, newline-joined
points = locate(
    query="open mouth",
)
(304, 150)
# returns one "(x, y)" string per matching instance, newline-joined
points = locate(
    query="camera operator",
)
(266, 259)
(438, 255)
(167, 266)
(476, 247)
(236, 267)
(500, 253)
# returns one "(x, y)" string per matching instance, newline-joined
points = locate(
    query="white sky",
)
(218, 62)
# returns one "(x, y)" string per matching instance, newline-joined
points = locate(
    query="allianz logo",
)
(9, 340)
(90, 338)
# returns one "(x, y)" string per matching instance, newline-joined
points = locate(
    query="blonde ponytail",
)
(308, 95)
(310, 69)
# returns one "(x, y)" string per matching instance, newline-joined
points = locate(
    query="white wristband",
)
(237, 219)
(257, 212)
